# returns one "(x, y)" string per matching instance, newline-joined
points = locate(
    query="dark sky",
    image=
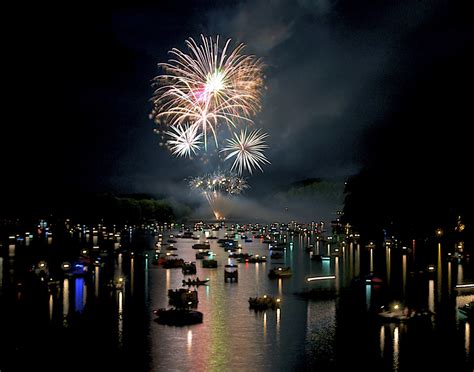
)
(337, 75)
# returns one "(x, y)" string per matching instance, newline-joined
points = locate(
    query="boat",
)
(173, 263)
(189, 268)
(231, 273)
(178, 317)
(254, 259)
(399, 314)
(202, 254)
(117, 284)
(280, 272)
(369, 279)
(467, 310)
(195, 282)
(264, 302)
(209, 264)
(183, 297)
(276, 255)
(320, 257)
(240, 256)
(203, 246)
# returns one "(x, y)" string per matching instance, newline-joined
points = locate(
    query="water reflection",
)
(1, 274)
(80, 294)
(357, 261)
(396, 349)
(431, 300)
(467, 338)
(388, 263)
(51, 306)
(65, 300)
(190, 342)
(404, 273)
(132, 275)
(382, 340)
(120, 317)
(308, 333)
(96, 280)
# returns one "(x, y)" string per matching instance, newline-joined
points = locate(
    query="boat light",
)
(471, 285)
(313, 278)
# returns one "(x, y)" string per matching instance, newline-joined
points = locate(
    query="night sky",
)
(348, 84)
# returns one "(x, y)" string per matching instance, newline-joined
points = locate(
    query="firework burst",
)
(207, 87)
(185, 140)
(247, 148)
(215, 187)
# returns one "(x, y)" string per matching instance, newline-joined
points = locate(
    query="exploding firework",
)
(207, 87)
(185, 140)
(216, 187)
(247, 148)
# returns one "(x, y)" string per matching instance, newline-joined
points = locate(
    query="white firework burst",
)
(247, 148)
(185, 140)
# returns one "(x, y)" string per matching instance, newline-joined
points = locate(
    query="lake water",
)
(83, 324)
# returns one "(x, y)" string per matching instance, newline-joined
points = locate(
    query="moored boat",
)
(195, 282)
(178, 317)
(280, 272)
(264, 302)
(399, 314)
(467, 310)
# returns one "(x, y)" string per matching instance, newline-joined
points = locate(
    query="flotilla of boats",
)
(264, 302)
(183, 299)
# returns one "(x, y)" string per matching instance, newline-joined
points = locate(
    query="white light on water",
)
(313, 278)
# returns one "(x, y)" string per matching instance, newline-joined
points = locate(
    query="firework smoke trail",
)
(248, 150)
(207, 87)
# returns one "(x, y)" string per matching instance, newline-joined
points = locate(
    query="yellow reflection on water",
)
(371, 260)
(120, 317)
(51, 307)
(449, 278)
(460, 274)
(65, 297)
(96, 281)
(357, 261)
(265, 326)
(388, 263)
(132, 274)
(190, 341)
(467, 336)
(404, 273)
(119, 264)
(439, 273)
(11, 250)
(382, 340)
(396, 344)
(168, 278)
(431, 305)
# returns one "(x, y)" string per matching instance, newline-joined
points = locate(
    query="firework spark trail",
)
(215, 186)
(207, 87)
(248, 150)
